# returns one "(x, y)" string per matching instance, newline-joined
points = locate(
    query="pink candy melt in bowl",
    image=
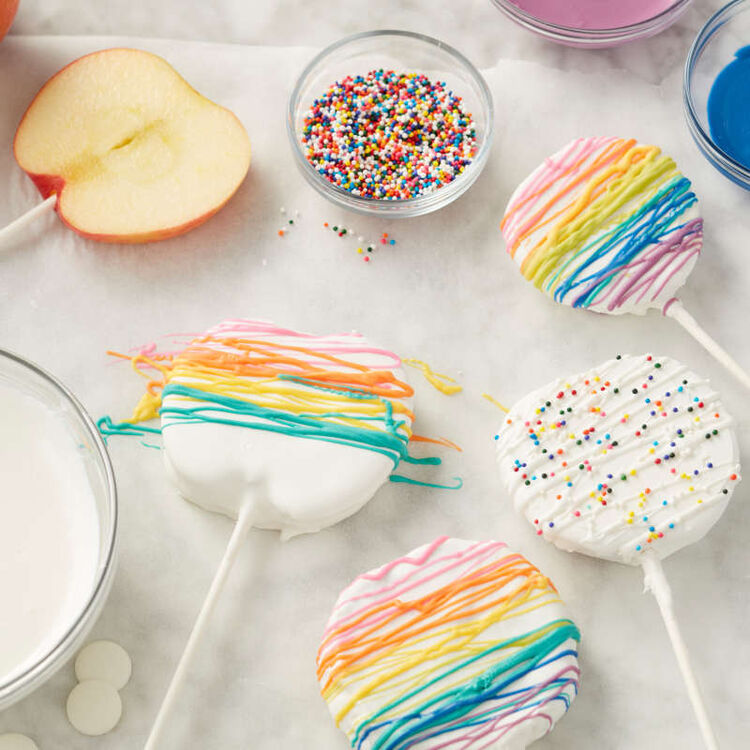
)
(593, 23)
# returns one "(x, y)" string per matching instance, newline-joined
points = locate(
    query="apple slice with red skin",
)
(8, 10)
(132, 151)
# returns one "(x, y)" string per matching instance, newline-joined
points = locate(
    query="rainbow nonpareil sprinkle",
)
(388, 135)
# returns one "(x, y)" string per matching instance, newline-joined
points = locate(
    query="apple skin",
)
(48, 184)
(8, 10)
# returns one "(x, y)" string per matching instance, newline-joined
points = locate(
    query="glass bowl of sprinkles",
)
(390, 123)
(716, 91)
(593, 23)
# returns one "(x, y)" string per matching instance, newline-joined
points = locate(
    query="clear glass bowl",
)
(593, 38)
(402, 51)
(33, 381)
(713, 49)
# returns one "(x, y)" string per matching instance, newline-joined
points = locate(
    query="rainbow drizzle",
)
(457, 645)
(606, 224)
(254, 374)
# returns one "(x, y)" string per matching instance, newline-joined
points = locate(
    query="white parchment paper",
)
(445, 293)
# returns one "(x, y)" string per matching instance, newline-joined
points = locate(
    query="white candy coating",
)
(17, 742)
(458, 644)
(635, 455)
(94, 708)
(105, 661)
(298, 485)
(605, 224)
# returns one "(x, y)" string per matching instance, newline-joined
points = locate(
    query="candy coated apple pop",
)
(458, 644)
(610, 225)
(127, 150)
(637, 455)
(629, 461)
(606, 224)
(311, 426)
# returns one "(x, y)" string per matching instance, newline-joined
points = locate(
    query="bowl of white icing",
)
(58, 526)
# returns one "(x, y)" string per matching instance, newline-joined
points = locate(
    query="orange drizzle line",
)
(612, 152)
(464, 598)
(437, 441)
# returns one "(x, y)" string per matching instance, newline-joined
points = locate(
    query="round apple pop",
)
(610, 225)
(456, 645)
(278, 429)
(630, 462)
(127, 151)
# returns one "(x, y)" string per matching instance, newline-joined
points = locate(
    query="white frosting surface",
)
(546, 209)
(297, 485)
(635, 455)
(459, 644)
(49, 532)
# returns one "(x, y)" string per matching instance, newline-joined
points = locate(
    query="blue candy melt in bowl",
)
(724, 35)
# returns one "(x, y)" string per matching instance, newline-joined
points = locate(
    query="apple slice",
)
(132, 151)
(8, 10)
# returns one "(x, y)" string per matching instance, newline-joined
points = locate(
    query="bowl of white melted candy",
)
(58, 526)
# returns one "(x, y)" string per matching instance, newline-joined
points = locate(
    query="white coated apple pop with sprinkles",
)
(458, 645)
(629, 461)
(127, 151)
(636, 455)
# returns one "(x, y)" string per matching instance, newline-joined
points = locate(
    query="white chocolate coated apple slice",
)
(133, 152)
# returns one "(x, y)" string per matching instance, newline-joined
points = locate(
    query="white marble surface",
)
(447, 294)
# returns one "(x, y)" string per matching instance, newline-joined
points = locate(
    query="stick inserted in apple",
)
(125, 150)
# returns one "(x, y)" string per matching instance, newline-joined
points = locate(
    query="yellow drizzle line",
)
(444, 383)
(495, 401)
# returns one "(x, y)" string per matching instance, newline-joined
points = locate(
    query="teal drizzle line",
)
(460, 701)
(107, 428)
(457, 482)
(391, 443)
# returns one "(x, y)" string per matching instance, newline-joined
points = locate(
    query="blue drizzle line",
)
(647, 226)
(459, 702)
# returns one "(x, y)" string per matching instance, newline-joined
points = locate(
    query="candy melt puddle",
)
(49, 532)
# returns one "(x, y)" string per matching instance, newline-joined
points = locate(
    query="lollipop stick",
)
(244, 522)
(656, 582)
(688, 322)
(29, 217)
